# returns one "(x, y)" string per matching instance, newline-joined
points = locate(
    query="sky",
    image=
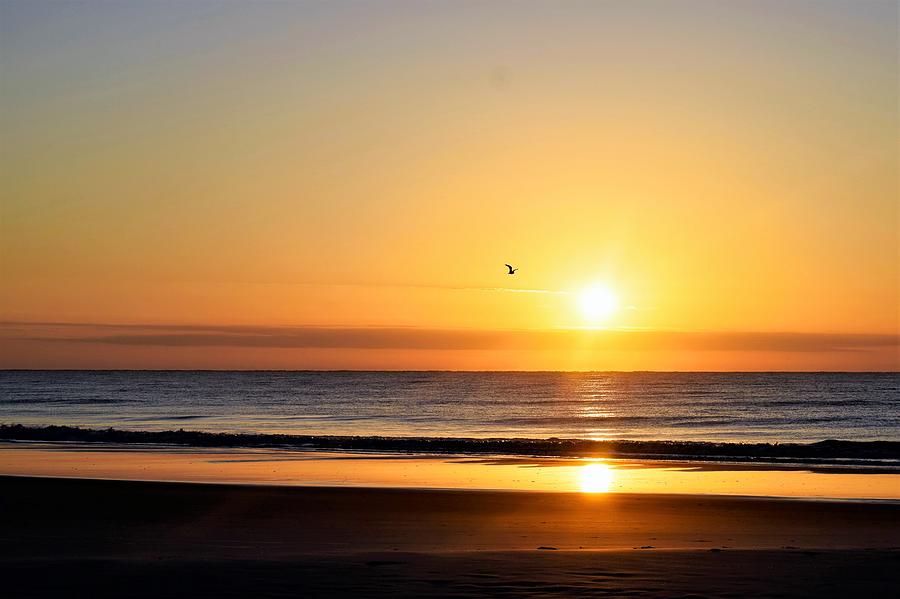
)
(201, 184)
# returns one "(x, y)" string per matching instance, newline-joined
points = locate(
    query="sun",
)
(598, 302)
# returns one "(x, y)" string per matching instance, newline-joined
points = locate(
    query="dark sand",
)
(68, 538)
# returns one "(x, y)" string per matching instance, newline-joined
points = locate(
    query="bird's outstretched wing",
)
(508, 266)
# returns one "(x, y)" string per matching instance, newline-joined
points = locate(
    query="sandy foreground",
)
(69, 537)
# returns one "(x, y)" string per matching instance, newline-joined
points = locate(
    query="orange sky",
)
(308, 185)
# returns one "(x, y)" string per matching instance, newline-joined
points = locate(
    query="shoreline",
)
(827, 452)
(283, 467)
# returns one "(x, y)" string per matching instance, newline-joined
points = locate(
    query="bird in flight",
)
(512, 270)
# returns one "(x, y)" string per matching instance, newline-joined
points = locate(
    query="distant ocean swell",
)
(639, 406)
(883, 455)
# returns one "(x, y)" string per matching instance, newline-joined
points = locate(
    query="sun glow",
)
(595, 478)
(598, 302)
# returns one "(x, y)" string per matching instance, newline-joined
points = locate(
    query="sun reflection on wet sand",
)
(595, 477)
(321, 468)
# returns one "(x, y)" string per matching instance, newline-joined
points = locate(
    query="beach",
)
(199, 484)
(164, 520)
(116, 538)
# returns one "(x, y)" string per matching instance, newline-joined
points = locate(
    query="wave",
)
(835, 452)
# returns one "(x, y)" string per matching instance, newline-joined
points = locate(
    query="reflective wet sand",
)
(315, 468)
(80, 537)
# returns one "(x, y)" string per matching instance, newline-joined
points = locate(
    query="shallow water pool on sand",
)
(320, 468)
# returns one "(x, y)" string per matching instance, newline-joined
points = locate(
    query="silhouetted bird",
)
(512, 270)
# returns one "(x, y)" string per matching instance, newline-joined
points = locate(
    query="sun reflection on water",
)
(595, 478)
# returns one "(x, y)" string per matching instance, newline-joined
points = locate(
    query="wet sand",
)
(342, 469)
(66, 537)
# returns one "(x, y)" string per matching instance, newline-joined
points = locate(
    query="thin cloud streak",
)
(418, 286)
(379, 338)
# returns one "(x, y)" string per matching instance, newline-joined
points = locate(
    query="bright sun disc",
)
(598, 302)
(595, 478)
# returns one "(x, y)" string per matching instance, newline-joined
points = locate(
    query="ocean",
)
(715, 407)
